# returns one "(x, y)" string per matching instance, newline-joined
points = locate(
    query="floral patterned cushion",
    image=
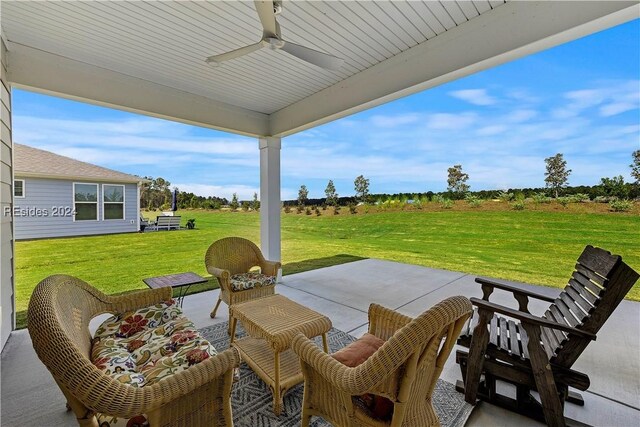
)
(141, 348)
(250, 280)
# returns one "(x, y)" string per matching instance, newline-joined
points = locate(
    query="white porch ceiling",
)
(149, 56)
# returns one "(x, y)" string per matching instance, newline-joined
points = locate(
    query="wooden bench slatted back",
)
(598, 284)
(168, 222)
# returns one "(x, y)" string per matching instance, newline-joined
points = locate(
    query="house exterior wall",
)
(47, 205)
(6, 200)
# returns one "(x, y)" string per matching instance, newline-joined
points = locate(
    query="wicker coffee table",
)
(271, 323)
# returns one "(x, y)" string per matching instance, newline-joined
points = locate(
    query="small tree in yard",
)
(614, 187)
(331, 195)
(255, 204)
(234, 202)
(557, 174)
(456, 181)
(303, 195)
(635, 166)
(362, 188)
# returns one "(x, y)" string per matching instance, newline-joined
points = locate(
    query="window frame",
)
(97, 202)
(123, 203)
(24, 193)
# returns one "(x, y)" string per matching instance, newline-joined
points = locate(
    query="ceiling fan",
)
(267, 11)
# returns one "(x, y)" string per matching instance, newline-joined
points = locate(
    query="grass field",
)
(530, 246)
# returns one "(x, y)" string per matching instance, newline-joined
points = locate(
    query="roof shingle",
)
(33, 162)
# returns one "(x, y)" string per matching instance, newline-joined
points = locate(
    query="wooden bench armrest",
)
(529, 318)
(509, 288)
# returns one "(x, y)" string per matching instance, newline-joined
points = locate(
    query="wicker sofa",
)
(147, 361)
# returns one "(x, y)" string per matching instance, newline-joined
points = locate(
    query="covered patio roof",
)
(149, 57)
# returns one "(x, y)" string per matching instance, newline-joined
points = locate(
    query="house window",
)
(85, 201)
(18, 187)
(112, 201)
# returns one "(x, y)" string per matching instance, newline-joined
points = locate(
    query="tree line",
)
(556, 182)
(157, 194)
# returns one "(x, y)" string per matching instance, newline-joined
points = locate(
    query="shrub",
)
(620, 205)
(299, 208)
(564, 201)
(446, 203)
(353, 209)
(506, 197)
(191, 224)
(324, 206)
(581, 198)
(245, 206)
(518, 205)
(336, 210)
(473, 201)
(307, 211)
(287, 208)
(318, 213)
(605, 199)
(539, 198)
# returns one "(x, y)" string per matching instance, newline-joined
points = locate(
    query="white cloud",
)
(474, 96)
(491, 130)
(451, 121)
(611, 98)
(393, 121)
(519, 116)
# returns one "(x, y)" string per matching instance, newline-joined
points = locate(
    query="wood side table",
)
(181, 280)
(271, 323)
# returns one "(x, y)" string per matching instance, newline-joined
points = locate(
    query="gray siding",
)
(53, 195)
(6, 199)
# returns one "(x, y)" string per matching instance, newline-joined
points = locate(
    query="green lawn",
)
(529, 246)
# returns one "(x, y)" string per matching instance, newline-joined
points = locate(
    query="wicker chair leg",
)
(215, 309)
(306, 416)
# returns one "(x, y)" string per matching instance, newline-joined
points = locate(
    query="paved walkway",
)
(344, 292)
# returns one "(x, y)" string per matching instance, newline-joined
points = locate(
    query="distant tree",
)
(255, 204)
(303, 195)
(155, 193)
(557, 174)
(635, 166)
(456, 181)
(361, 185)
(234, 203)
(331, 194)
(614, 187)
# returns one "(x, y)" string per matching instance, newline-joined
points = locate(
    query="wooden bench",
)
(168, 222)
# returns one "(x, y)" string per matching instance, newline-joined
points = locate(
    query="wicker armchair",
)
(405, 369)
(58, 320)
(232, 256)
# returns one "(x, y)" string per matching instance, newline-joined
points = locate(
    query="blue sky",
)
(581, 99)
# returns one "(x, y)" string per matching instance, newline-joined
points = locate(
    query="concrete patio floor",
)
(30, 397)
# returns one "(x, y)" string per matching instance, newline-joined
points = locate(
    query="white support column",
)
(270, 197)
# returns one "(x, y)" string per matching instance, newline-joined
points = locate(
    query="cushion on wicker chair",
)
(355, 354)
(141, 348)
(250, 280)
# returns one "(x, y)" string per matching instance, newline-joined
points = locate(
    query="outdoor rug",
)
(251, 398)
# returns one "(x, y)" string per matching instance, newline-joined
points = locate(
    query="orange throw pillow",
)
(356, 354)
(358, 351)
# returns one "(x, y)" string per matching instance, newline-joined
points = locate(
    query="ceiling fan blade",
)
(315, 57)
(217, 59)
(267, 18)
